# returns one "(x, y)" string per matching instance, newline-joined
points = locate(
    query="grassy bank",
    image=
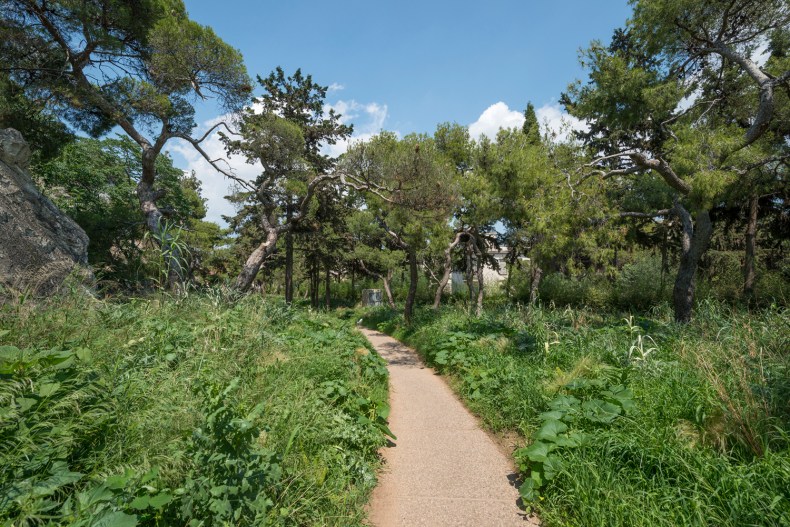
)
(194, 411)
(627, 421)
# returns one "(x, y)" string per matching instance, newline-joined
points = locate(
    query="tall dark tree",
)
(531, 127)
(677, 94)
(290, 117)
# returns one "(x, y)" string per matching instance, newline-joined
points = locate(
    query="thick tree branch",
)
(663, 168)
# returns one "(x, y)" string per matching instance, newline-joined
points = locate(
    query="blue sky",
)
(407, 66)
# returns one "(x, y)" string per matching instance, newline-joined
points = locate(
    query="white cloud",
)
(494, 118)
(555, 121)
(335, 87)
(368, 120)
(498, 116)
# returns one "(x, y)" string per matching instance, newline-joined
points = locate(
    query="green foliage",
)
(641, 284)
(150, 412)
(590, 290)
(161, 61)
(692, 419)
(232, 479)
(40, 128)
(94, 182)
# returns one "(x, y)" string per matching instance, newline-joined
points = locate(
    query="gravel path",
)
(443, 469)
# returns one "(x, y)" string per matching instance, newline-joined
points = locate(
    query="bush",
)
(641, 285)
(590, 290)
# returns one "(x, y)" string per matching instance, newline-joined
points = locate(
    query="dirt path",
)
(443, 469)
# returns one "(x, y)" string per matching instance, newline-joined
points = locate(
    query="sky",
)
(407, 66)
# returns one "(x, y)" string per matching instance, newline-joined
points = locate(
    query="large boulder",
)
(39, 245)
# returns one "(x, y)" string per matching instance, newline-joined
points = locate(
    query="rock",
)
(14, 150)
(40, 246)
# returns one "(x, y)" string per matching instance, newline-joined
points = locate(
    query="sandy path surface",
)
(443, 470)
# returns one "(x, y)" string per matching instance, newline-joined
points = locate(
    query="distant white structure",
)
(371, 297)
(491, 276)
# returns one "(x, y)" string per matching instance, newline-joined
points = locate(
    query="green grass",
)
(196, 411)
(671, 425)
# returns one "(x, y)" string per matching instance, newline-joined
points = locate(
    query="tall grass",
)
(117, 412)
(699, 436)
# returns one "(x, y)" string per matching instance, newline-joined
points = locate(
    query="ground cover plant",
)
(626, 420)
(185, 411)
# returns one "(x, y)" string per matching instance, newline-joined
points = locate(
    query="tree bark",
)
(328, 286)
(385, 279)
(509, 268)
(470, 274)
(353, 285)
(695, 241)
(448, 269)
(254, 262)
(315, 283)
(289, 258)
(413, 277)
(537, 274)
(480, 279)
(749, 273)
(156, 223)
(664, 253)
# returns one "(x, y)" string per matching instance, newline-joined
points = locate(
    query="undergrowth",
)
(626, 421)
(191, 411)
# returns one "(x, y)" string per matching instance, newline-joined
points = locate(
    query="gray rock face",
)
(39, 245)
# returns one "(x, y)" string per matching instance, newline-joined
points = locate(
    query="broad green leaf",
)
(118, 481)
(160, 500)
(552, 467)
(117, 519)
(529, 491)
(140, 503)
(571, 440)
(600, 411)
(622, 396)
(537, 451)
(550, 430)
(565, 403)
(48, 389)
(554, 414)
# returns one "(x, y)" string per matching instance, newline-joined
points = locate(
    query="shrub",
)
(641, 284)
(590, 290)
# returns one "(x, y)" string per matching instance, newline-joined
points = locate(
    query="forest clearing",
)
(230, 297)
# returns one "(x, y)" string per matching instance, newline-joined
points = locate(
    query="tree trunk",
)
(480, 284)
(413, 277)
(537, 274)
(253, 264)
(664, 253)
(751, 248)
(470, 274)
(156, 223)
(328, 286)
(448, 269)
(695, 240)
(311, 283)
(289, 257)
(315, 283)
(353, 285)
(385, 279)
